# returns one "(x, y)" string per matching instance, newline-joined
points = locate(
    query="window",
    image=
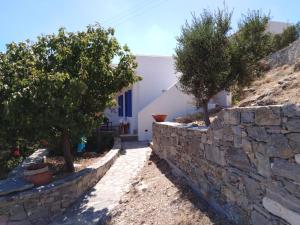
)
(128, 103)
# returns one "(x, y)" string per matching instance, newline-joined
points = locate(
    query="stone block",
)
(262, 164)
(267, 116)
(291, 110)
(293, 125)
(292, 187)
(294, 141)
(246, 144)
(279, 210)
(253, 189)
(3, 219)
(17, 212)
(278, 146)
(13, 185)
(284, 168)
(232, 117)
(257, 133)
(247, 117)
(214, 154)
(259, 219)
(236, 157)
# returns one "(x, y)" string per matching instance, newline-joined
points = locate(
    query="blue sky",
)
(147, 26)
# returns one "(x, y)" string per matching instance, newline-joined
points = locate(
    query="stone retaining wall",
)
(289, 55)
(246, 165)
(40, 205)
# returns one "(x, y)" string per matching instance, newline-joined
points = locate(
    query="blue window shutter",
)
(128, 103)
(121, 105)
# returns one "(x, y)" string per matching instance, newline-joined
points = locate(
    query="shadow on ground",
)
(187, 193)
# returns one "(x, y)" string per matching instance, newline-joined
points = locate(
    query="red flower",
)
(16, 152)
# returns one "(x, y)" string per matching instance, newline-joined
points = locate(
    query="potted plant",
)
(159, 117)
(38, 174)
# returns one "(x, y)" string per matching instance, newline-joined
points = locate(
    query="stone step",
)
(128, 137)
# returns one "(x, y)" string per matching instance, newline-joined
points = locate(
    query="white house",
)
(157, 93)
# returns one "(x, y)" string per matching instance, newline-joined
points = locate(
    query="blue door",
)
(128, 103)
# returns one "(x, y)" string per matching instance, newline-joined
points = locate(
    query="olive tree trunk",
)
(67, 152)
(206, 113)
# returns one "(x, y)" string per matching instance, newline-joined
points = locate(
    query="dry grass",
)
(278, 86)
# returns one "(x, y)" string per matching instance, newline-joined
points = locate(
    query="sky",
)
(148, 27)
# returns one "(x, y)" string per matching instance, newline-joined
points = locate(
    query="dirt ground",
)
(158, 197)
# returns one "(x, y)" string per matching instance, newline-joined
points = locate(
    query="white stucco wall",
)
(275, 27)
(173, 102)
(158, 74)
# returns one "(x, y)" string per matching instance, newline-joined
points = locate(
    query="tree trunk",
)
(205, 113)
(67, 152)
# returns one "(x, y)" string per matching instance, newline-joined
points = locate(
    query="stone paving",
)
(94, 206)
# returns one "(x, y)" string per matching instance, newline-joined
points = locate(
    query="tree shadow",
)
(187, 193)
(80, 213)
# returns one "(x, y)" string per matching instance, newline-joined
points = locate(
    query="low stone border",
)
(40, 205)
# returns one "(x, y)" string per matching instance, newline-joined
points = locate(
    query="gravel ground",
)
(157, 197)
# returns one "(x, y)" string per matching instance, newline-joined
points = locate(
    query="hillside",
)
(281, 84)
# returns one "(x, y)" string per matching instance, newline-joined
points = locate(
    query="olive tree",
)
(63, 82)
(203, 57)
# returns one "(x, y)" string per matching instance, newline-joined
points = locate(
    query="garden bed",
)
(39, 205)
(56, 163)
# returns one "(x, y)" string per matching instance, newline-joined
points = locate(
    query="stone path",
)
(94, 207)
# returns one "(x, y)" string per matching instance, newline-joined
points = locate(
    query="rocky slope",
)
(281, 84)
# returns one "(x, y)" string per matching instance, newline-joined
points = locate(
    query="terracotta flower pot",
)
(38, 174)
(159, 117)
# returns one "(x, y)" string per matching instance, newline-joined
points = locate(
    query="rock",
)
(215, 155)
(291, 110)
(294, 141)
(253, 188)
(11, 185)
(238, 158)
(278, 194)
(246, 144)
(17, 212)
(297, 66)
(293, 125)
(257, 133)
(232, 117)
(258, 219)
(281, 211)
(284, 168)
(262, 164)
(247, 117)
(297, 158)
(267, 116)
(278, 146)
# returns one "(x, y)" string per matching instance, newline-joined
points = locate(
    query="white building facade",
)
(156, 93)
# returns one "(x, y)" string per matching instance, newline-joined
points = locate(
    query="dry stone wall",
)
(246, 165)
(40, 205)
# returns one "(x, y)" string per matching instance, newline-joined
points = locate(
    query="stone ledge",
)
(46, 202)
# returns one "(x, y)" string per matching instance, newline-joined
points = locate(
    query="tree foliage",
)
(56, 86)
(210, 60)
(289, 35)
(248, 46)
